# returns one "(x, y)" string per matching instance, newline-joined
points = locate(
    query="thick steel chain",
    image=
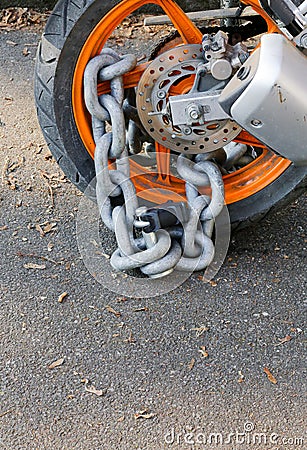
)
(185, 247)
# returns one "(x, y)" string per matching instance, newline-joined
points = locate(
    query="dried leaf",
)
(5, 227)
(56, 363)
(241, 377)
(49, 227)
(62, 296)
(14, 165)
(270, 376)
(12, 182)
(34, 266)
(112, 311)
(130, 339)
(18, 18)
(105, 255)
(92, 390)
(25, 51)
(200, 330)
(46, 227)
(284, 340)
(203, 351)
(121, 299)
(47, 156)
(144, 415)
(95, 243)
(191, 364)
(39, 229)
(33, 255)
(8, 178)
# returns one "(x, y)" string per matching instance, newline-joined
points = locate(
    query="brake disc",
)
(173, 73)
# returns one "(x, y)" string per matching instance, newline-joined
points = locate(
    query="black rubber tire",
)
(66, 31)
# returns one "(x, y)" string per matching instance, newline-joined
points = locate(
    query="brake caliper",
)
(177, 97)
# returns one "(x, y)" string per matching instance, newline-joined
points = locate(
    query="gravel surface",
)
(171, 370)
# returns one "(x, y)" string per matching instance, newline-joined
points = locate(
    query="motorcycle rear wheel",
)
(76, 31)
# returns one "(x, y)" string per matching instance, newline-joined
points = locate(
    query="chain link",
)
(184, 247)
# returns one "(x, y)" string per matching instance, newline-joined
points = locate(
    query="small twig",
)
(33, 255)
(200, 330)
(130, 339)
(112, 311)
(51, 194)
(284, 340)
(16, 164)
(46, 180)
(6, 412)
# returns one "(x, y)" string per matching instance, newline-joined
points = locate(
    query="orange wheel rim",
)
(238, 185)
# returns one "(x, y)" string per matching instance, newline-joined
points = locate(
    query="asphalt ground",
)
(184, 367)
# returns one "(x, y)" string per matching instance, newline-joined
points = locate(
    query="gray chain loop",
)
(188, 247)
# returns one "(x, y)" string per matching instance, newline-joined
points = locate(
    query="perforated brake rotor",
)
(173, 73)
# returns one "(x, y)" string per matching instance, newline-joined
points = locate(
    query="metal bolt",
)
(193, 111)
(215, 47)
(187, 130)
(194, 115)
(303, 41)
(161, 94)
(256, 123)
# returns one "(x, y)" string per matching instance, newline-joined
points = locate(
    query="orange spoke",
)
(188, 31)
(163, 156)
(245, 138)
